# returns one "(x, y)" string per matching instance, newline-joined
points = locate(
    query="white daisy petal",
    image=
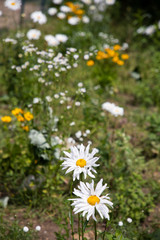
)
(89, 200)
(80, 161)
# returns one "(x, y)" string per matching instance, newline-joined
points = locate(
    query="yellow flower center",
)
(92, 200)
(13, 3)
(81, 163)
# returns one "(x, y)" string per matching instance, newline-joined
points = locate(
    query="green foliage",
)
(15, 232)
(65, 101)
(132, 198)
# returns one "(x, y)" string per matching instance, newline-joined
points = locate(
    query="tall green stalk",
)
(71, 212)
(95, 230)
(79, 227)
(82, 229)
(105, 231)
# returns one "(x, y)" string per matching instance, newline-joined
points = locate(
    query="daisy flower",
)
(150, 30)
(113, 109)
(73, 20)
(61, 38)
(51, 40)
(52, 11)
(57, 1)
(33, 34)
(80, 161)
(90, 200)
(110, 2)
(13, 4)
(61, 15)
(117, 111)
(39, 17)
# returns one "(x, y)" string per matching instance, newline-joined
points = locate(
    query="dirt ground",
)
(10, 19)
(45, 221)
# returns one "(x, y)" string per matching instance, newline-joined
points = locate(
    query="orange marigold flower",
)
(120, 62)
(117, 47)
(90, 63)
(72, 6)
(28, 116)
(20, 118)
(115, 59)
(6, 119)
(101, 55)
(110, 52)
(69, 16)
(26, 128)
(16, 111)
(79, 12)
(124, 56)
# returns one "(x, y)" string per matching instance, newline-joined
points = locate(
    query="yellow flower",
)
(124, 56)
(90, 63)
(72, 6)
(20, 118)
(110, 52)
(79, 12)
(26, 128)
(115, 59)
(28, 116)
(120, 62)
(69, 16)
(16, 111)
(101, 55)
(6, 119)
(117, 47)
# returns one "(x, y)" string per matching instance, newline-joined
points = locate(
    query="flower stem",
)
(71, 221)
(82, 230)
(79, 228)
(105, 231)
(71, 212)
(95, 229)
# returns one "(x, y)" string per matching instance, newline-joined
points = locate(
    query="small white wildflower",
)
(75, 65)
(33, 34)
(120, 223)
(80, 84)
(49, 99)
(38, 228)
(39, 17)
(129, 220)
(72, 124)
(65, 9)
(78, 134)
(73, 20)
(86, 57)
(61, 15)
(57, 1)
(25, 229)
(88, 131)
(56, 96)
(110, 2)
(52, 11)
(77, 104)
